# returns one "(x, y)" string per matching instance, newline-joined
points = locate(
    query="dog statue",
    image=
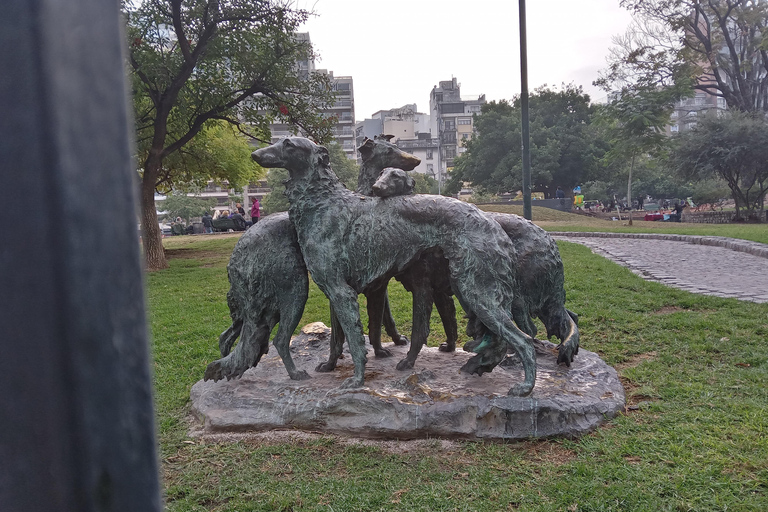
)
(540, 274)
(268, 285)
(393, 182)
(350, 242)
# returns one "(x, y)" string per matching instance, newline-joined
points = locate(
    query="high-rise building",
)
(452, 122)
(343, 109)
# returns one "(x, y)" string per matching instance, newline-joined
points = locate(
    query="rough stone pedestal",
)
(432, 400)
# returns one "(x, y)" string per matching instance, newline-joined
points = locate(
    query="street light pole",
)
(524, 108)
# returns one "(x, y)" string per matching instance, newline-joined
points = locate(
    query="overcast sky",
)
(397, 50)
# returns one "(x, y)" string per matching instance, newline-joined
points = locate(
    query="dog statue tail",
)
(227, 338)
(569, 338)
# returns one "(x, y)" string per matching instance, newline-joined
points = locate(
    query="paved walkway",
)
(723, 267)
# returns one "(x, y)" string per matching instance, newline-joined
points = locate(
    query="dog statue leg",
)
(389, 324)
(422, 311)
(337, 345)
(376, 301)
(344, 301)
(447, 311)
(289, 319)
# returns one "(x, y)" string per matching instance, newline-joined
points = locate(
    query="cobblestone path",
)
(688, 265)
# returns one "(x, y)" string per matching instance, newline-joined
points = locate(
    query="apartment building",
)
(343, 110)
(405, 122)
(452, 122)
(410, 129)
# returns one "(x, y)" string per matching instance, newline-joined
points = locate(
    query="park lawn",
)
(554, 220)
(695, 438)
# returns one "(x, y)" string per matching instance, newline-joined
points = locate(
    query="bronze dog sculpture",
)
(350, 242)
(269, 285)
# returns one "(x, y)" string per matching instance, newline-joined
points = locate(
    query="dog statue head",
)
(382, 153)
(296, 154)
(393, 182)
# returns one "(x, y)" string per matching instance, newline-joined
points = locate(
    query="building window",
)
(474, 108)
(431, 169)
(464, 120)
(464, 135)
(429, 154)
(450, 152)
(448, 124)
(674, 128)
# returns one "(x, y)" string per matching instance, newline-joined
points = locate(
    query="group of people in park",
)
(237, 216)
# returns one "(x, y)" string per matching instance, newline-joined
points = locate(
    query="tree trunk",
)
(629, 189)
(152, 238)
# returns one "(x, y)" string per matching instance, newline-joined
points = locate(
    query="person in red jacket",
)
(255, 214)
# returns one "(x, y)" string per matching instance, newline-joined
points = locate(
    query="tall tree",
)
(194, 62)
(734, 148)
(717, 46)
(563, 148)
(637, 119)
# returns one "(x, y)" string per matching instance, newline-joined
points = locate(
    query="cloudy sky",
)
(397, 50)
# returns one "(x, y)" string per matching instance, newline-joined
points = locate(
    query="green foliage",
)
(195, 63)
(181, 205)
(710, 191)
(423, 184)
(276, 201)
(207, 60)
(734, 148)
(694, 370)
(218, 152)
(564, 146)
(345, 169)
(636, 120)
(717, 47)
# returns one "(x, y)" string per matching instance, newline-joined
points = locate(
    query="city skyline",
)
(398, 52)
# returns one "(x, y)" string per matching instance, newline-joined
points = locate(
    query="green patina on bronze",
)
(528, 281)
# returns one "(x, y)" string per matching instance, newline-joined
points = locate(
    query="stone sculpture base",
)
(432, 400)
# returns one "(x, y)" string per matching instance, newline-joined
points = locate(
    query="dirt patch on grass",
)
(548, 452)
(635, 360)
(634, 397)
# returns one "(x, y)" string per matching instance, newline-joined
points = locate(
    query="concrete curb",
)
(735, 244)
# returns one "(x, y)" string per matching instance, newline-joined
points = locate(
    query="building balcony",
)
(417, 144)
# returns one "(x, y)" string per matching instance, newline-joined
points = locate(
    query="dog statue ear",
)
(367, 145)
(324, 156)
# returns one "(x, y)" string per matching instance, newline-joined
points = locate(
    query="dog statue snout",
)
(266, 157)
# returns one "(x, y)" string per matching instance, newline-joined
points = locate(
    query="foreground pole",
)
(524, 111)
(76, 417)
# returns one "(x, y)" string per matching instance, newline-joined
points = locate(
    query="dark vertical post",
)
(76, 416)
(524, 111)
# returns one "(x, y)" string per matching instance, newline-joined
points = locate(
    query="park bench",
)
(226, 225)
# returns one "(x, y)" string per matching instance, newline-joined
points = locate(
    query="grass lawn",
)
(695, 370)
(553, 220)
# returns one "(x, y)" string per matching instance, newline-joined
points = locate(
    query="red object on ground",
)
(654, 216)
